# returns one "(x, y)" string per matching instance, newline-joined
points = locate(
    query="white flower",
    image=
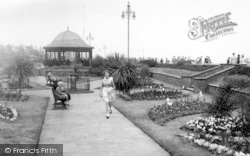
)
(239, 154)
(200, 93)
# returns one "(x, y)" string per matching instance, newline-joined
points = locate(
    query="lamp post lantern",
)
(90, 38)
(129, 13)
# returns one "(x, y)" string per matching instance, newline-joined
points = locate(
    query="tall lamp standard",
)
(90, 38)
(129, 13)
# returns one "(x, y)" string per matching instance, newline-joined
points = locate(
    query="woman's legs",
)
(107, 109)
(110, 107)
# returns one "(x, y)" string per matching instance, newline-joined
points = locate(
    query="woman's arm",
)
(101, 90)
(59, 91)
(113, 84)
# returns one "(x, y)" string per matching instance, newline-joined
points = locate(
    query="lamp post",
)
(129, 13)
(90, 38)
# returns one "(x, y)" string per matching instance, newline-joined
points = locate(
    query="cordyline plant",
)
(19, 65)
(125, 77)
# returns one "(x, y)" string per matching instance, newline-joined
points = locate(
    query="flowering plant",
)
(214, 147)
(8, 113)
(177, 108)
(155, 94)
(224, 134)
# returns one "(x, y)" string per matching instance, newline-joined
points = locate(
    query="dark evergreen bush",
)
(150, 62)
(224, 103)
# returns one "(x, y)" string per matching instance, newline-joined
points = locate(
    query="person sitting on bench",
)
(60, 92)
(52, 78)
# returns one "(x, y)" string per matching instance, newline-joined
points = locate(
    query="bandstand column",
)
(90, 55)
(46, 55)
(59, 56)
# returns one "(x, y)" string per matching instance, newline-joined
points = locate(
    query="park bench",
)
(58, 99)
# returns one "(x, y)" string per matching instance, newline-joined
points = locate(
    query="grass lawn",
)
(27, 128)
(172, 71)
(165, 136)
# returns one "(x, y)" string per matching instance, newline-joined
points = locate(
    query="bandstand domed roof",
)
(68, 39)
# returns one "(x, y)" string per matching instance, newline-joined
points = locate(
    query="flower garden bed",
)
(8, 113)
(12, 96)
(170, 110)
(225, 136)
(155, 94)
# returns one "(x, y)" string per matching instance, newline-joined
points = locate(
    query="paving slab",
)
(84, 130)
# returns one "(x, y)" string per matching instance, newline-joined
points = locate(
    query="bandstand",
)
(68, 46)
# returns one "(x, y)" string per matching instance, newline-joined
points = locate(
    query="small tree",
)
(20, 65)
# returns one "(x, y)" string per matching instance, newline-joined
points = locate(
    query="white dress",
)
(108, 91)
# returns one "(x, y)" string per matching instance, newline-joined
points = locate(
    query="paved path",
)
(84, 130)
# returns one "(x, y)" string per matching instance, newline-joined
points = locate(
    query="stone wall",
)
(214, 90)
(201, 83)
(175, 80)
(209, 72)
(189, 80)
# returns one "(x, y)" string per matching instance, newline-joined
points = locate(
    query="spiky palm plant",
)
(125, 76)
(19, 65)
(114, 61)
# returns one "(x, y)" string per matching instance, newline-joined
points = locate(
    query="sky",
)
(160, 28)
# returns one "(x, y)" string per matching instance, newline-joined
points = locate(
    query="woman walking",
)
(108, 92)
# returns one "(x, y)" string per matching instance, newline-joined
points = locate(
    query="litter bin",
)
(72, 82)
(86, 84)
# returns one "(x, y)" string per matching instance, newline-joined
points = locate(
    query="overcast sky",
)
(160, 28)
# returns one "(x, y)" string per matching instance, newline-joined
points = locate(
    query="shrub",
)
(85, 62)
(145, 71)
(224, 103)
(150, 62)
(246, 110)
(98, 61)
(68, 62)
(97, 66)
(114, 61)
(97, 71)
(181, 63)
(125, 77)
(238, 81)
(241, 71)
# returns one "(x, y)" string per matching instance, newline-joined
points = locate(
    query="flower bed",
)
(12, 96)
(155, 94)
(152, 86)
(171, 110)
(147, 82)
(8, 113)
(221, 135)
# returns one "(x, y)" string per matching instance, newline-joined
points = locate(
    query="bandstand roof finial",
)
(67, 28)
